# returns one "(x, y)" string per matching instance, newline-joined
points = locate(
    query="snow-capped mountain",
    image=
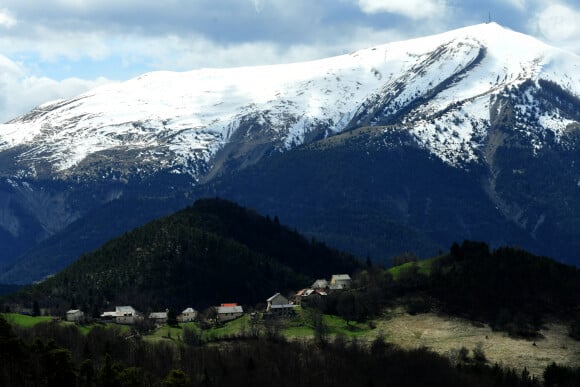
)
(491, 113)
(440, 88)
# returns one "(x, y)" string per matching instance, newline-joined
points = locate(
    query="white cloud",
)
(122, 38)
(193, 52)
(6, 19)
(519, 4)
(559, 23)
(20, 92)
(413, 9)
(257, 5)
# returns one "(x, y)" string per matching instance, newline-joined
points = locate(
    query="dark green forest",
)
(214, 251)
(510, 289)
(54, 355)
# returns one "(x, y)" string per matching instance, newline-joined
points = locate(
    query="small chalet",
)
(108, 316)
(306, 296)
(75, 315)
(126, 315)
(340, 282)
(187, 315)
(279, 305)
(319, 284)
(227, 312)
(123, 315)
(159, 318)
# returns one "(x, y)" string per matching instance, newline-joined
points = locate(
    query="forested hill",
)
(214, 251)
(505, 286)
(508, 288)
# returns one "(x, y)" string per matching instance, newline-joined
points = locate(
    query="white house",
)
(75, 315)
(109, 315)
(158, 317)
(187, 315)
(123, 315)
(126, 315)
(278, 304)
(227, 312)
(340, 281)
(319, 284)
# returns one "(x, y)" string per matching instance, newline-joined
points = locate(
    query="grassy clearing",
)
(25, 321)
(443, 334)
(230, 328)
(166, 333)
(175, 334)
(337, 325)
(424, 267)
(301, 327)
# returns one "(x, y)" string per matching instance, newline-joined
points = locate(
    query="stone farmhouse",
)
(75, 315)
(340, 282)
(123, 315)
(279, 305)
(227, 312)
(158, 318)
(188, 315)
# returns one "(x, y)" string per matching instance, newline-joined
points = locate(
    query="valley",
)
(404, 214)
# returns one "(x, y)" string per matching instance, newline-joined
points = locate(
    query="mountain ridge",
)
(498, 105)
(179, 121)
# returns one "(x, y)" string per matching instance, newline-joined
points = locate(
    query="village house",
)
(319, 284)
(309, 296)
(279, 305)
(123, 315)
(188, 315)
(158, 318)
(108, 316)
(126, 315)
(227, 312)
(75, 315)
(340, 282)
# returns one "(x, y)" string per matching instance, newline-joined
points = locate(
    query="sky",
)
(53, 49)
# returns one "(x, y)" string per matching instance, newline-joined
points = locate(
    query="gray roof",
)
(273, 297)
(158, 315)
(229, 309)
(124, 310)
(189, 310)
(283, 306)
(319, 283)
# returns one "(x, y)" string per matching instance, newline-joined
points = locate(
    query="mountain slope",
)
(214, 251)
(378, 194)
(180, 121)
(497, 106)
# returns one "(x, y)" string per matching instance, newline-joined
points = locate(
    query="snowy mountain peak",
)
(440, 88)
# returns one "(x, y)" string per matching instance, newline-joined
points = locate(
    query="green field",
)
(424, 267)
(166, 333)
(297, 327)
(443, 334)
(175, 334)
(24, 320)
(301, 326)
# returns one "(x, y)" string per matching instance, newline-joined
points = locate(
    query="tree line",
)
(50, 354)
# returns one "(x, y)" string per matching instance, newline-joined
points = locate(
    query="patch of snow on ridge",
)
(188, 117)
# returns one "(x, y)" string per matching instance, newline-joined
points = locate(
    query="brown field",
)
(444, 334)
